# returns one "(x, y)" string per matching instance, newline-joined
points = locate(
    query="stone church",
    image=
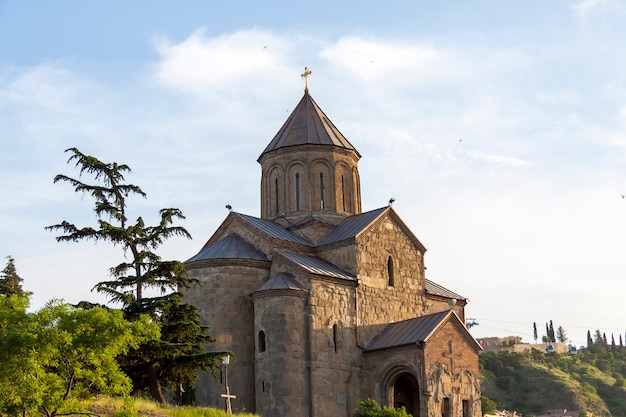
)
(324, 304)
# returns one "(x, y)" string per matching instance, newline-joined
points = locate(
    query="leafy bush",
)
(370, 408)
(488, 406)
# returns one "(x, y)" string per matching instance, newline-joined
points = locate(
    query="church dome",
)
(308, 125)
(309, 168)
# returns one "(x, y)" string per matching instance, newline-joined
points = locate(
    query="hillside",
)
(531, 383)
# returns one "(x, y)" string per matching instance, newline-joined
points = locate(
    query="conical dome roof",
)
(308, 125)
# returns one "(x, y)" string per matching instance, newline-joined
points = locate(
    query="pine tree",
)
(589, 340)
(10, 282)
(597, 338)
(560, 335)
(151, 364)
(551, 335)
(535, 331)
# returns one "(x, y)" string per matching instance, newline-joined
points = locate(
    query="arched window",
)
(276, 197)
(343, 195)
(390, 277)
(321, 190)
(262, 341)
(297, 191)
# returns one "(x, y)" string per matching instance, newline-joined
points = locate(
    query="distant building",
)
(562, 412)
(514, 344)
(324, 304)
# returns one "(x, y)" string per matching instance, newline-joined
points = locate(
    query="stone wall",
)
(379, 302)
(335, 357)
(223, 300)
(383, 367)
(282, 377)
(452, 371)
(343, 255)
(278, 188)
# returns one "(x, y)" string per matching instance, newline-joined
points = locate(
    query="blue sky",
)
(499, 128)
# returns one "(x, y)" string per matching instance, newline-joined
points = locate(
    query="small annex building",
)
(324, 304)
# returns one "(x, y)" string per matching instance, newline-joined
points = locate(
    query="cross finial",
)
(305, 75)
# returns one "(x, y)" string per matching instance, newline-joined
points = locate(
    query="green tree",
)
(488, 406)
(178, 352)
(598, 341)
(10, 282)
(560, 335)
(151, 366)
(61, 354)
(370, 408)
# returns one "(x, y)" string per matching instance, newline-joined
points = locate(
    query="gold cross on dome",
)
(305, 75)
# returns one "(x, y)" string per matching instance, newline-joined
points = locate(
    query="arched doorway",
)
(406, 394)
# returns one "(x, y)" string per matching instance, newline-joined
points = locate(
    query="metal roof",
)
(230, 247)
(436, 289)
(273, 229)
(283, 281)
(408, 332)
(308, 125)
(351, 226)
(316, 265)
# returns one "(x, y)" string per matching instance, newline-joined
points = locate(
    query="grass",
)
(136, 407)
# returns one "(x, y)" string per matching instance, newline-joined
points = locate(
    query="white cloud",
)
(243, 58)
(385, 61)
(585, 7)
(497, 159)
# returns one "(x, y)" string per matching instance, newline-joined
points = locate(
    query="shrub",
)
(370, 408)
(488, 406)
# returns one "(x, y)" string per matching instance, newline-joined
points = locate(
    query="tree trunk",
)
(154, 384)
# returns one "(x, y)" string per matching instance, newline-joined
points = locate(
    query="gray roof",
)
(283, 281)
(308, 125)
(273, 229)
(436, 289)
(351, 226)
(230, 247)
(316, 265)
(408, 332)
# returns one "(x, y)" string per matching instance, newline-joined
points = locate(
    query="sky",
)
(499, 127)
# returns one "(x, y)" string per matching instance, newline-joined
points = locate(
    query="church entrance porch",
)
(405, 393)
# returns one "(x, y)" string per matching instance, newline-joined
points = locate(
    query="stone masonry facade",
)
(323, 304)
